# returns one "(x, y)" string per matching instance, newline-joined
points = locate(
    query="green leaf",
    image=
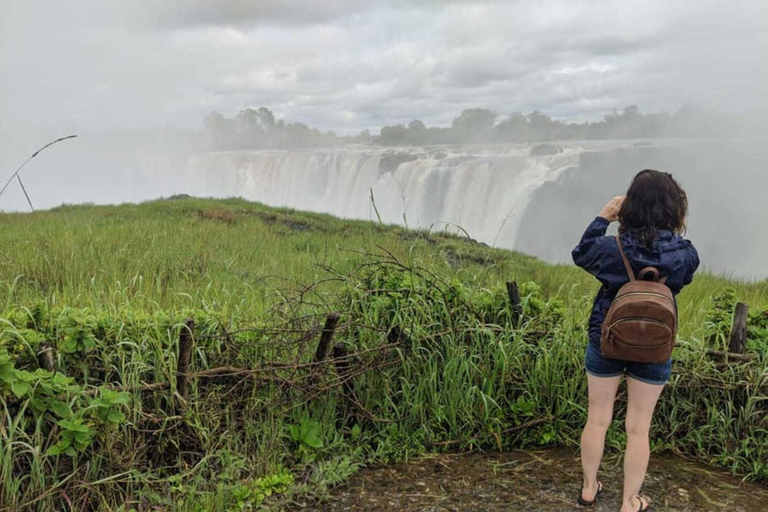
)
(39, 405)
(70, 345)
(313, 440)
(61, 409)
(29, 377)
(116, 416)
(121, 398)
(82, 438)
(70, 451)
(6, 372)
(20, 388)
(76, 425)
(53, 450)
(59, 379)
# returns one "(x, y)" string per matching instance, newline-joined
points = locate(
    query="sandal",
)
(640, 501)
(585, 503)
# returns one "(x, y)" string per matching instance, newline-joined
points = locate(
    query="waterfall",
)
(481, 190)
(508, 196)
(533, 198)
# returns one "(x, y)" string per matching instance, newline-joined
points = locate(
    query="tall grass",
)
(126, 277)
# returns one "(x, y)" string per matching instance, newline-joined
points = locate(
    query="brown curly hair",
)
(654, 202)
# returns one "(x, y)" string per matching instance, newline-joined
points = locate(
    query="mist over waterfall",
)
(483, 190)
(533, 198)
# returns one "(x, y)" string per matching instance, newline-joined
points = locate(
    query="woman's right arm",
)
(593, 247)
(595, 250)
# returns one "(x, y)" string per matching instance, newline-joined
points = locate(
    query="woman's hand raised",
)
(610, 211)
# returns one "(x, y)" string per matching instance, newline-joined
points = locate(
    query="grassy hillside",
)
(188, 252)
(109, 287)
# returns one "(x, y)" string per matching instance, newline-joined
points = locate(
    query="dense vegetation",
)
(434, 360)
(259, 129)
(487, 126)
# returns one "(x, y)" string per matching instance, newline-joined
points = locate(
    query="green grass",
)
(183, 253)
(109, 287)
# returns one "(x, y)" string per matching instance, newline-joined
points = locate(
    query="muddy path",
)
(545, 480)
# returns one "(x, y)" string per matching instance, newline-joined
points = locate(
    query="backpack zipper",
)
(645, 293)
(642, 318)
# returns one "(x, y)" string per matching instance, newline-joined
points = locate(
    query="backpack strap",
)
(626, 261)
(643, 272)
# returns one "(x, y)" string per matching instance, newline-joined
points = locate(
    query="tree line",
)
(483, 125)
(260, 129)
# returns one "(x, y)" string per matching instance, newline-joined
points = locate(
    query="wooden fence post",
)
(514, 299)
(739, 329)
(185, 357)
(46, 358)
(326, 337)
(343, 368)
(397, 336)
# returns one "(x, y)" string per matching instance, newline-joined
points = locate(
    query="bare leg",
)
(602, 393)
(641, 401)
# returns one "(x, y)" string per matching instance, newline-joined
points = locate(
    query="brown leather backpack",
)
(641, 324)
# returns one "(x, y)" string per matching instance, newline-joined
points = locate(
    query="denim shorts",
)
(651, 373)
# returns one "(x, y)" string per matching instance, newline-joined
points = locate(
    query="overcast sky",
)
(353, 64)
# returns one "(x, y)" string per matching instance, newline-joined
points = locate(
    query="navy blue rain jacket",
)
(673, 256)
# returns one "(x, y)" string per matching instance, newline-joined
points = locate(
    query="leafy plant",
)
(75, 437)
(307, 436)
(250, 495)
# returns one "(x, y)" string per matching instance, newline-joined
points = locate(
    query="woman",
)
(651, 219)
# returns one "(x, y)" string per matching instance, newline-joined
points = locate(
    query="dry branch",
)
(730, 355)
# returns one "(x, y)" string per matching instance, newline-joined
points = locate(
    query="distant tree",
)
(542, 127)
(513, 129)
(265, 118)
(218, 131)
(364, 137)
(473, 125)
(214, 121)
(249, 131)
(416, 132)
(416, 126)
(259, 128)
(631, 112)
(394, 135)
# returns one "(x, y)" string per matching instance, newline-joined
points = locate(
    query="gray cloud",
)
(353, 64)
(201, 13)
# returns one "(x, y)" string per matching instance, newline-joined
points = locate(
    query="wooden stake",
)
(343, 367)
(396, 335)
(46, 357)
(326, 337)
(739, 330)
(514, 299)
(185, 357)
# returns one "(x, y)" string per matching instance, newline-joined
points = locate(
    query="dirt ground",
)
(546, 480)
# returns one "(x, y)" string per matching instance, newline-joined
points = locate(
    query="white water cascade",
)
(509, 195)
(481, 190)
